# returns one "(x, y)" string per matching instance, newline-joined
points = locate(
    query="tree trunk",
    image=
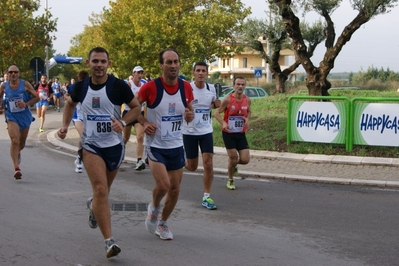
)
(317, 83)
(280, 79)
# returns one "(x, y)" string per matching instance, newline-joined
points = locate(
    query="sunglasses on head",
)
(13, 72)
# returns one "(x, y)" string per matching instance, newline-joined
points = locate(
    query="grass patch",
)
(267, 130)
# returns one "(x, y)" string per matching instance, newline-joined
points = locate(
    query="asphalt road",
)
(43, 219)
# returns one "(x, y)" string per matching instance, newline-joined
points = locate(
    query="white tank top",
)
(135, 90)
(169, 117)
(96, 111)
(202, 122)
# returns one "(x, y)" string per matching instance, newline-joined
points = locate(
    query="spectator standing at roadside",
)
(237, 111)
(103, 150)
(77, 118)
(43, 89)
(56, 86)
(5, 79)
(19, 96)
(199, 131)
(168, 100)
(148, 77)
(135, 84)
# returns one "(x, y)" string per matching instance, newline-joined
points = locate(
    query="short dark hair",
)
(201, 63)
(82, 75)
(166, 50)
(98, 49)
(235, 78)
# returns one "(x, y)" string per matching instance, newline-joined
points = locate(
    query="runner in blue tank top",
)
(19, 96)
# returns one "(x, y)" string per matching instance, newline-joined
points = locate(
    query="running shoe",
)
(235, 171)
(230, 184)
(79, 165)
(19, 158)
(111, 248)
(58, 109)
(151, 221)
(17, 174)
(163, 232)
(41, 129)
(208, 203)
(92, 220)
(140, 165)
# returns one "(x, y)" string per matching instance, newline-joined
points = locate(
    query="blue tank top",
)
(13, 96)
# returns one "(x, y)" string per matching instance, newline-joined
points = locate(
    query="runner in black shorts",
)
(237, 111)
(198, 133)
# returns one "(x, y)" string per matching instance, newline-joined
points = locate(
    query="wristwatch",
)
(123, 122)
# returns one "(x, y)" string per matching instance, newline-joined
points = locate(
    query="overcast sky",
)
(374, 44)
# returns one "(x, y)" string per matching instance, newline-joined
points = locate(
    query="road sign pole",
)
(36, 71)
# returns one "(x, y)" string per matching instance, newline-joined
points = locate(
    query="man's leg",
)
(192, 164)
(55, 102)
(101, 180)
(162, 185)
(175, 177)
(22, 138)
(232, 163)
(42, 116)
(207, 161)
(39, 112)
(140, 140)
(231, 167)
(162, 182)
(243, 156)
(15, 137)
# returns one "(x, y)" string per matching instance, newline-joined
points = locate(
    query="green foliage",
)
(23, 33)
(82, 43)
(215, 78)
(372, 73)
(135, 32)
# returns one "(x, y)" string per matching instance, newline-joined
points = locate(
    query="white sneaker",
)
(151, 221)
(163, 232)
(111, 248)
(140, 165)
(79, 165)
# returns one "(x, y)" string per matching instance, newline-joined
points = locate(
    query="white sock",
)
(207, 195)
(153, 207)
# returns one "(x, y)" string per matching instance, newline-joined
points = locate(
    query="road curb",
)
(312, 158)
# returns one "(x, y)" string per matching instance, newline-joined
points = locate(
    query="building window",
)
(224, 63)
(244, 62)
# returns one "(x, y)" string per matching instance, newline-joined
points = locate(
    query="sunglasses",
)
(13, 72)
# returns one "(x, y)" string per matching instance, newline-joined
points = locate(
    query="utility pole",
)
(46, 49)
(269, 51)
